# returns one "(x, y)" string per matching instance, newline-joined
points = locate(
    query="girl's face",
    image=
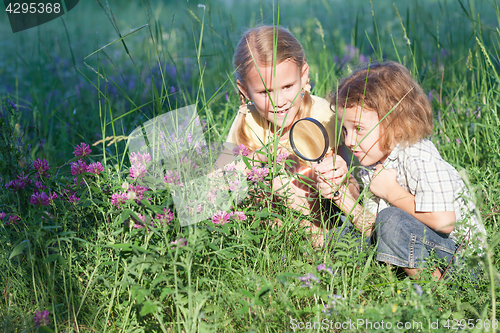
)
(277, 94)
(356, 127)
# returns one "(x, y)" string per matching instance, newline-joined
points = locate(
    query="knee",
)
(390, 222)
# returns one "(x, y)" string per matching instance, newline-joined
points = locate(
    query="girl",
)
(420, 203)
(273, 82)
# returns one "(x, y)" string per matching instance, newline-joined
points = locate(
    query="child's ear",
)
(242, 89)
(305, 74)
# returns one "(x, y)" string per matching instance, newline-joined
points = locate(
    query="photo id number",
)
(33, 8)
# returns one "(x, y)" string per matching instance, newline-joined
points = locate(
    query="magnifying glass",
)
(309, 141)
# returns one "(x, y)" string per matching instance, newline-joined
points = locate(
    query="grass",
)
(92, 271)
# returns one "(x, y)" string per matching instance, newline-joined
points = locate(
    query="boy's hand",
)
(333, 171)
(383, 181)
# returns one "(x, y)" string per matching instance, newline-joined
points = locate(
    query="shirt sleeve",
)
(432, 184)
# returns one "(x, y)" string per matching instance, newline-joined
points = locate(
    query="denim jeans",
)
(401, 239)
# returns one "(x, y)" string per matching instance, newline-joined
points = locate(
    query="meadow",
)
(84, 248)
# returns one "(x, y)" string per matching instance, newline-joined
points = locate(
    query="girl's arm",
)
(384, 185)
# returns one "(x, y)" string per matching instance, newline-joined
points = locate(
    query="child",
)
(420, 202)
(274, 94)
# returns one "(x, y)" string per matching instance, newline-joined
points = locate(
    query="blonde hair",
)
(256, 47)
(383, 87)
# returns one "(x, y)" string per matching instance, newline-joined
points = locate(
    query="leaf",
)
(19, 248)
(149, 307)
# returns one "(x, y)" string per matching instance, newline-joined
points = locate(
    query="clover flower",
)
(41, 318)
(179, 242)
(78, 167)
(137, 171)
(238, 216)
(258, 174)
(165, 218)
(73, 198)
(119, 198)
(281, 157)
(40, 199)
(138, 158)
(41, 166)
(82, 150)
(12, 220)
(95, 168)
(240, 150)
(220, 217)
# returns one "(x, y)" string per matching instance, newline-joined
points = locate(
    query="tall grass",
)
(94, 274)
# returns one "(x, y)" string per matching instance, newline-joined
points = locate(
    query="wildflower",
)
(418, 289)
(78, 167)
(321, 267)
(39, 185)
(179, 242)
(201, 6)
(137, 171)
(12, 220)
(281, 157)
(82, 150)
(306, 279)
(118, 198)
(136, 193)
(41, 318)
(95, 168)
(172, 178)
(240, 150)
(39, 199)
(19, 183)
(139, 224)
(240, 216)
(394, 307)
(73, 198)
(2, 216)
(41, 166)
(12, 105)
(165, 218)
(258, 174)
(138, 158)
(458, 141)
(220, 217)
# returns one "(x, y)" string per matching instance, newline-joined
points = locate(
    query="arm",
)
(385, 185)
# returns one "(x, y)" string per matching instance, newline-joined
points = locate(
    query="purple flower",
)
(2, 216)
(258, 174)
(40, 199)
(78, 167)
(220, 217)
(240, 150)
(19, 183)
(119, 198)
(73, 198)
(321, 267)
(172, 178)
(165, 218)
(306, 279)
(138, 158)
(41, 318)
(41, 166)
(12, 220)
(281, 157)
(238, 216)
(136, 192)
(418, 289)
(95, 168)
(458, 141)
(82, 150)
(39, 185)
(12, 105)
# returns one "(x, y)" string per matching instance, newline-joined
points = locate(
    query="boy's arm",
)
(385, 185)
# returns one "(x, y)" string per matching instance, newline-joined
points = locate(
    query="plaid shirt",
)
(436, 185)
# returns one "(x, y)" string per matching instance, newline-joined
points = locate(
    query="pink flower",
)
(41, 318)
(139, 225)
(137, 171)
(78, 167)
(258, 174)
(172, 178)
(41, 166)
(165, 218)
(240, 150)
(118, 198)
(40, 199)
(82, 150)
(281, 157)
(95, 168)
(220, 217)
(2, 216)
(238, 216)
(19, 183)
(179, 242)
(39, 185)
(138, 158)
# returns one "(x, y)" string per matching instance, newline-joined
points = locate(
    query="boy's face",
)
(358, 138)
(283, 86)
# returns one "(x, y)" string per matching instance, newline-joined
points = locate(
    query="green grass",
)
(79, 81)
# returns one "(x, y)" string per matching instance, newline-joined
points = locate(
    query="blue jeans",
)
(402, 240)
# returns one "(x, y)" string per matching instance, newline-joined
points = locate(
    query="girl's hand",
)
(383, 181)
